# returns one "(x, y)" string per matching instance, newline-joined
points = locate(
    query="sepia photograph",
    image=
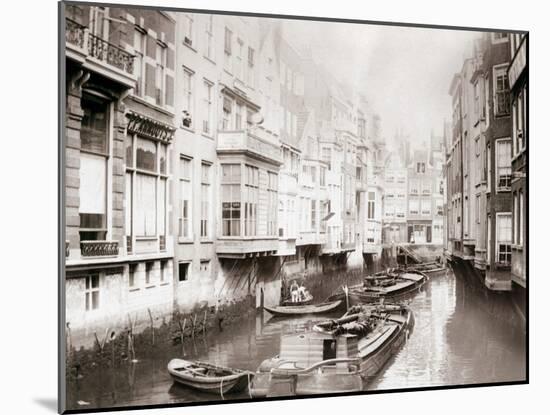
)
(256, 207)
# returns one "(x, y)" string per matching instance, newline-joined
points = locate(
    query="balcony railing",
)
(98, 248)
(113, 55)
(92, 46)
(249, 142)
(74, 33)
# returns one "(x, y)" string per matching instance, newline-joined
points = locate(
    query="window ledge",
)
(504, 189)
(517, 247)
(187, 45)
(209, 59)
(146, 238)
(182, 240)
(150, 286)
(163, 284)
(207, 241)
(132, 290)
(205, 135)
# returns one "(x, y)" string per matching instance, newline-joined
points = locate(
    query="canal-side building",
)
(394, 221)
(479, 163)
(437, 154)
(421, 177)
(518, 81)
(119, 132)
(375, 158)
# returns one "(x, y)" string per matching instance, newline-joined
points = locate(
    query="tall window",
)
(326, 156)
(371, 205)
(186, 192)
(520, 218)
(208, 37)
(477, 100)
(94, 138)
(205, 200)
(519, 112)
(504, 238)
(239, 60)
(272, 186)
(226, 113)
(478, 208)
(322, 176)
(160, 74)
(313, 214)
(250, 72)
(413, 186)
(227, 48)
(502, 92)
(426, 207)
(92, 292)
(420, 167)
(207, 110)
(489, 170)
(414, 206)
(146, 178)
(140, 43)
(251, 195)
(231, 199)
(188, 29)
(504, 164)
(188, 97)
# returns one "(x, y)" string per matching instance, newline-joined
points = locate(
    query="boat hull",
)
(223, 385)
(328, 380)
(281, 311)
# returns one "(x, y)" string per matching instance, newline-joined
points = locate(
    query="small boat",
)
(297, 310)
(209, 378)
(335, 356)
(306, 301)
(391, 284)
(428, 268)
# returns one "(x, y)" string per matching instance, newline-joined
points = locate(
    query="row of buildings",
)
(486, 162)
(206, 159)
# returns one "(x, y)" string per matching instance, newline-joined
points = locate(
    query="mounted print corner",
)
(260, 206)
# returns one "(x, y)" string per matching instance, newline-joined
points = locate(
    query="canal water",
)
(462, 335)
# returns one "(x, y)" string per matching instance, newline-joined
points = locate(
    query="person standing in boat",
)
(294, 292)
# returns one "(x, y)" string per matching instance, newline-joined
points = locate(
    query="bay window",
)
(231, 199)
(272, 188)
(251, 194)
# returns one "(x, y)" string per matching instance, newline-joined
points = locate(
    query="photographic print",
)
(259, 207)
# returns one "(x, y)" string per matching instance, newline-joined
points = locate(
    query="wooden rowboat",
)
(297, 310)
(209, 378)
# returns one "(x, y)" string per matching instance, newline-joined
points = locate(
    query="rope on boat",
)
(221, 390)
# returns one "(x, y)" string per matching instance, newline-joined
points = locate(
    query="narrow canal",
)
(462, 335)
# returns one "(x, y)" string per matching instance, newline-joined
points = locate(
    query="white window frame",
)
(188, 198)
(498, 142)
(497, 238)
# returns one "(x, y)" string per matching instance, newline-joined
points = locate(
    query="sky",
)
(405, 73)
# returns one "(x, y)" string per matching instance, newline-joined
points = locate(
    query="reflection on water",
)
(461, 336)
